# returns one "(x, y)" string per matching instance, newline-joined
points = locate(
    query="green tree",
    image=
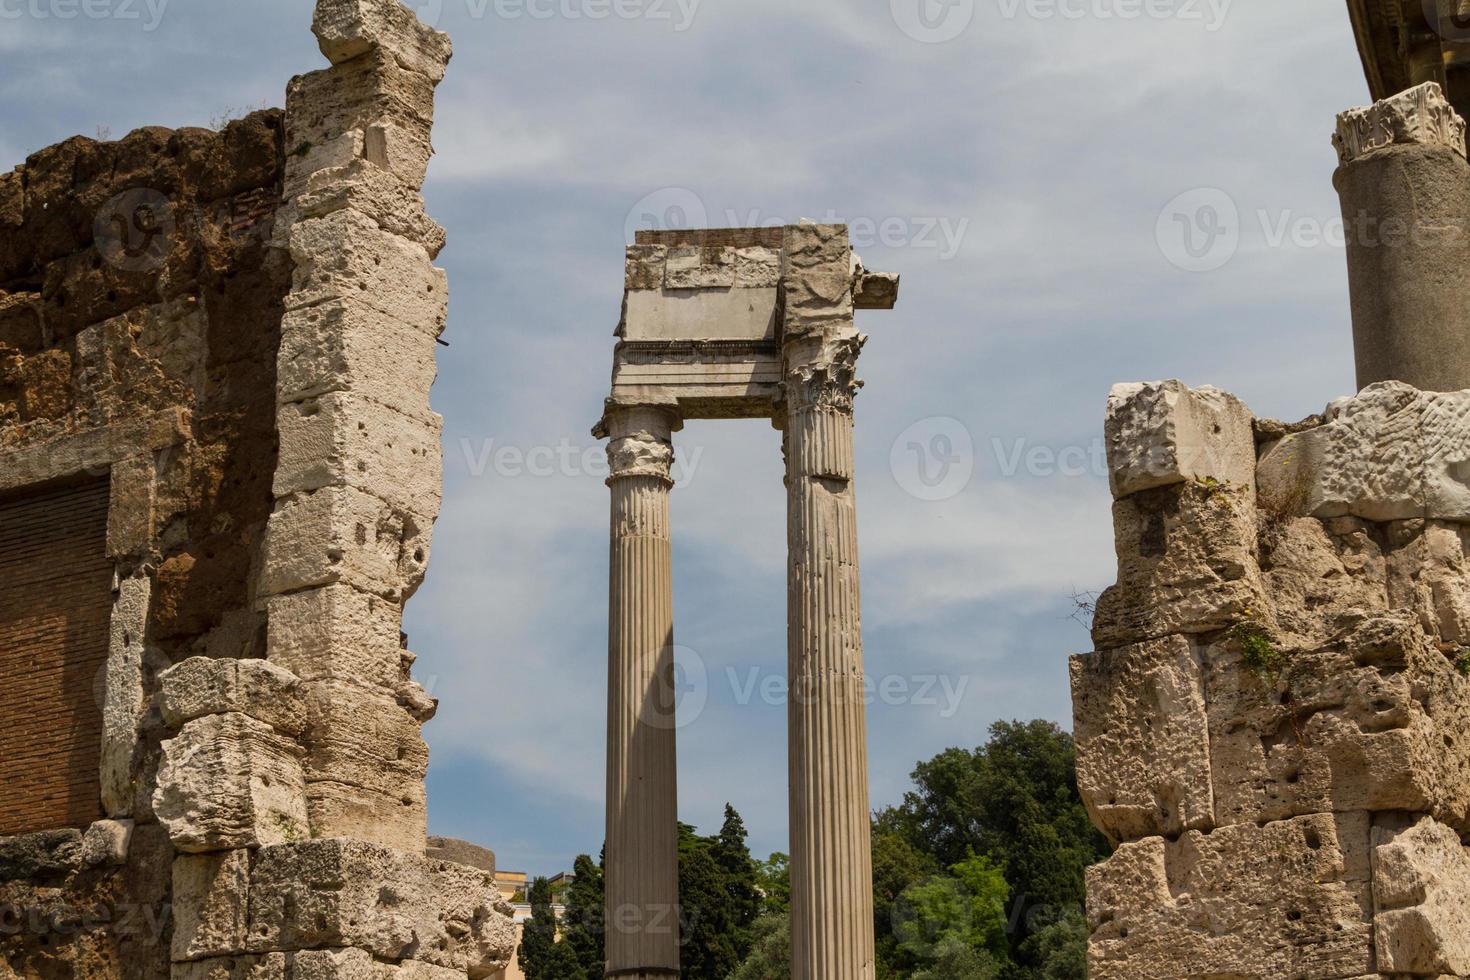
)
(742, 881)
(1060, 949)
(968, 905)
(770, 955)
(775, 884)
(706, 923)
(538, 940)
(897, 866)
(1014, 800)
(561, 964)
(583, 929)
(955, 959)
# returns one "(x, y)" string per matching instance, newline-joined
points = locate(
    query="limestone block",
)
(1290, 899)
(1375, 722)
(1447, 455)
(345, 255)
(402, 150)
(106, 843)
(694, 267)
(344, 439)
(130, 514)
(124, 699)
(757, 268)
(376, 191)
(729, 314)
(1186, 564)
(472, 929)
(49, 853)
(1367, 461)
(644, 267)
(362, 737)
(1143, 755)
(392, 904)
(340, 534)
(324, 105)
(1421, 887)
(201, 686)
(347, 345)
(12, 200)
(356, 964)
(399, 821)
(346, 29)
(816, 268)
(1164, 432)
(1427, 574)
(210, 897)
(337, 633)
(272, 966)
(229, 781)
(1322, 577)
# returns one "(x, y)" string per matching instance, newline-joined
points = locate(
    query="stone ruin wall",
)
(1274, 730)
(232, 335)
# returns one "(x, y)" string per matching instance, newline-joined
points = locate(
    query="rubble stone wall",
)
(1274, 730)
(237, 330)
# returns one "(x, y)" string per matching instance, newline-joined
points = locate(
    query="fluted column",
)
(642, 786)
(831, 856)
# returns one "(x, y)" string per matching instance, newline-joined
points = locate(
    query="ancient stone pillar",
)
(1405, 189)
(831, 856)
(642, 782)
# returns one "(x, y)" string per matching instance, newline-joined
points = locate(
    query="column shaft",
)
(642, 787)
(831, 856)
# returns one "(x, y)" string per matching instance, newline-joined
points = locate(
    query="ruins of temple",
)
(725, 324)
(219, 473)
(1274, 729)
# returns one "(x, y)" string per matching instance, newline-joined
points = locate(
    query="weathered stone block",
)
(757, 268)
(340, 534)
(1421, 887)
(1143, 754)
(272, 966)
(338, 633)
(344, 439)
(210, 897)
(816, 268)
(342, 810)
(356, 964)
(362, 737)
(347, 345)
(1375, 722)
(347, 29)
(123, 702)
(335, 894)
(201, 686)
(1163, 432)
(693, 267)
(130, 518)
(1186, 564)
(345, 255)
(1447, 455)
(228, 782)
(106, 843)
(644, 267)
(1290, 899)
(1367, 461)
(1322, 577)
(45, 854)
(374, 190)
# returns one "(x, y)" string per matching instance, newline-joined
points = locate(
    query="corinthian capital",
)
(641, 442)
(1418, 115)
(828, 378)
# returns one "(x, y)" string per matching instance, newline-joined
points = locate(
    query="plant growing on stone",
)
(1260, 654)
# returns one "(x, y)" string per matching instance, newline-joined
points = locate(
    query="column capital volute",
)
(826, 376)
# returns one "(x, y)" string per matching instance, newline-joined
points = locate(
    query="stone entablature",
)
(1273, 729)
(238, 330)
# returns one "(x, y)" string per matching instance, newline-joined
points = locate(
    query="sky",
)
(1076, 193)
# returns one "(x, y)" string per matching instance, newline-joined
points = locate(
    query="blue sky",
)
(1032, 177)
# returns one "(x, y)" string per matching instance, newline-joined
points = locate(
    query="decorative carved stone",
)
(1417, 115)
